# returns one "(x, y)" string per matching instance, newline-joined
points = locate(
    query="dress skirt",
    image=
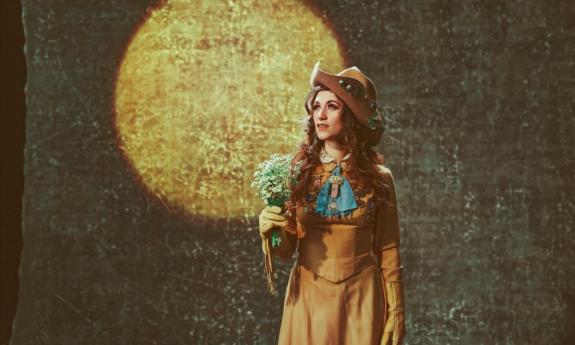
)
(319, 312)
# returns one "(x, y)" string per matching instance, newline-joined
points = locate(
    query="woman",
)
(345, 287)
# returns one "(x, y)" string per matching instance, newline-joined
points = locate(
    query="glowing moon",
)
(208, 89)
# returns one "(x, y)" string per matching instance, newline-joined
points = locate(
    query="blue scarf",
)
(343, 204)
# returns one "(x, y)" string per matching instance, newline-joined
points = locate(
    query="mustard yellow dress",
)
(335, 293)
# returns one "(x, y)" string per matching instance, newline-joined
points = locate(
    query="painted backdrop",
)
(147, 119)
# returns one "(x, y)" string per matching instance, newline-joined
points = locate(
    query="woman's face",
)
(327, 115)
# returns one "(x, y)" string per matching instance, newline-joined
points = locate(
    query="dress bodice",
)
(336, 246)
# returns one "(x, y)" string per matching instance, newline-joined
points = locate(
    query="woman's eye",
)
(331, 106)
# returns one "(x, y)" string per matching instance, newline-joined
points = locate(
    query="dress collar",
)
(324, 157)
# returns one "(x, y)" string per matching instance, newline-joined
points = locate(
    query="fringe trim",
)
(269, 270)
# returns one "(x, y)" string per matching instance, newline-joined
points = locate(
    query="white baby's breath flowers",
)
(273, 178)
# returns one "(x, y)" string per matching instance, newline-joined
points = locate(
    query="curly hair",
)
(363, 158)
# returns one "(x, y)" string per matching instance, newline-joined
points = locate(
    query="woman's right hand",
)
(270, 217)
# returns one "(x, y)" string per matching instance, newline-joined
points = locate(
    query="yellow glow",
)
(208, 89)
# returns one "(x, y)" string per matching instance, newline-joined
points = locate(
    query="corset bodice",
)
(336, 247)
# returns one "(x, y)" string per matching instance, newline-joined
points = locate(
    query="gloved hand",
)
(270, 217)
(394, 330)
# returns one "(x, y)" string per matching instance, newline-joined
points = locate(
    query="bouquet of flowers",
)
(273, 180)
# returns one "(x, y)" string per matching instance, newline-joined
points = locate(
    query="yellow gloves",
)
(270, 217)
(394, 330)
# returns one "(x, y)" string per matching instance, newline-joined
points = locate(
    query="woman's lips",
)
(321, 127)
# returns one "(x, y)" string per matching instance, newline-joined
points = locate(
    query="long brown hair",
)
(363, 158)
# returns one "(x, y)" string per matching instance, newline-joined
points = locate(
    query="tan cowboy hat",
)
(359, 94)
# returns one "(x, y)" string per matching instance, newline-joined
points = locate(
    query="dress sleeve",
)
(386, 234)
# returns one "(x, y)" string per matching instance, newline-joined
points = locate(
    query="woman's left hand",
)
(394, 329)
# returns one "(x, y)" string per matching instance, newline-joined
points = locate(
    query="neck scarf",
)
(336, 195)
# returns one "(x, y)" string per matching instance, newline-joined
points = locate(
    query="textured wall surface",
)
(480, 143)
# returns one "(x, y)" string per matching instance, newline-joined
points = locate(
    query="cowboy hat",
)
(358, 92)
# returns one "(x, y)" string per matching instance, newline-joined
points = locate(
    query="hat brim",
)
(357, 102)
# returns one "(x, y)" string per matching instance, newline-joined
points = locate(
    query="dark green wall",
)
(481, 146)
